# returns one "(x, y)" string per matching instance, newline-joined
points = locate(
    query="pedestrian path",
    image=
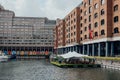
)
(109, 64)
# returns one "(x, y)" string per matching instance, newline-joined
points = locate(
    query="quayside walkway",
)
(109, 62)
(32, 56)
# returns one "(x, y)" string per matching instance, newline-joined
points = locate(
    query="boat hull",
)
(64, 65)
(12, 57)
(3, 59)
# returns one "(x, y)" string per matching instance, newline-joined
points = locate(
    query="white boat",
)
(3, 58)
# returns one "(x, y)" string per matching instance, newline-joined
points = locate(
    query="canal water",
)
(43, 70)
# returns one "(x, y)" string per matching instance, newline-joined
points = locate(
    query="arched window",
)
(85, 36)
(81, 17)
(90, 1)
(102, 12)
(96, 6)
(90, 18)
(116, 30)
(116, 19)
(81, 24)
(102, 2)
(116, 8)
(90, 9)
(89, 27)
(102, 22)
(96, 24)
(85, 4)
(95, 15)
(81, 10)
(81, 32)
(85, 28)
(96, 34)
(102, 32)
(85, 20)
(81, 38)
(85, 13)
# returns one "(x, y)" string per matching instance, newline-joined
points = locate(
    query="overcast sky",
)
(41, 8)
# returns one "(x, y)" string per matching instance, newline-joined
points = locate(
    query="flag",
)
(90, 34)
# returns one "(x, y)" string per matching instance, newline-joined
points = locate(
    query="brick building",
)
(96, 32)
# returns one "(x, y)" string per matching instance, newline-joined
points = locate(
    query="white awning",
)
(72, 54)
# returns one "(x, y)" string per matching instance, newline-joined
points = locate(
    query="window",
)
(116, 19)
(102, 22)
(74, 13)
(96, 24)
(96, 34)
(81, 39)
(102, 2)
(81, 17)
(102, 12)
(116, 8)
(90, 1)
(95, 15)
(116, 30)
(85, 28)
(89, 26)
(74, 20)
(81, 32)
(96, 6)
(81, 10)
(69, 35)
(81, 24)
(85, 5)
(74, 27)
(90, 9)
(71, 21)
(90, 18)
(85, 36)
(85, 13)
(74, 33)
(69, 29)
(85, 20)
(102, 32)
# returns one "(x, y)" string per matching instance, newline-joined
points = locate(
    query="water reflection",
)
(43, 70)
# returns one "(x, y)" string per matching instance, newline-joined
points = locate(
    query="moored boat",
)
(3, 57)
(74, 60)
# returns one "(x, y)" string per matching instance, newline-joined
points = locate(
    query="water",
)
(43, 70)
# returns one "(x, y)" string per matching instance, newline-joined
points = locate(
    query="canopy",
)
(72, 54)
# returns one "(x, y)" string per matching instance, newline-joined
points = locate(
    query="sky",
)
(52, 9)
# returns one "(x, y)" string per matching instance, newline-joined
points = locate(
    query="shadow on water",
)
(43, 70)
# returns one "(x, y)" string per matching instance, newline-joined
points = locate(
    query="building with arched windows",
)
(97, 29)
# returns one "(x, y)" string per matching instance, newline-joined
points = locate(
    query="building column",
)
(62, 51)
(66, 49)
(93, 50)
(99, 49)
(44, 49)
(106, 51)
(57, 51)
(88, 49)
(83, 49)
(79, 49)
(76, 49)
(112, 49)
(40, 49)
